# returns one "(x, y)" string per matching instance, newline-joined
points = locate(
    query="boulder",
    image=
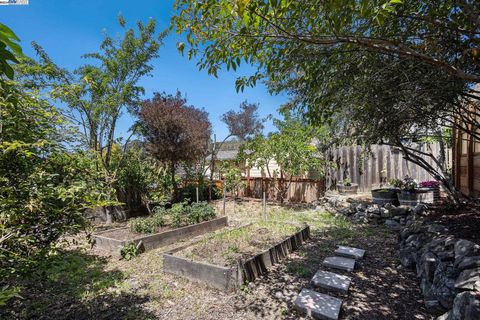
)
(466, 306)
(468, 280)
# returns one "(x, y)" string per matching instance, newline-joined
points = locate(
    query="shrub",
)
(129, 251)
(143, 225)
(179, 213)
(189, 193)
(200, 212)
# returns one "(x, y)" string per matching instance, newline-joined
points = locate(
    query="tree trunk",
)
(174, 183)
(108, 214)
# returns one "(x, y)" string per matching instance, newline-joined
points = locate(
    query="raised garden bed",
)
(228, 260)
(115, 239)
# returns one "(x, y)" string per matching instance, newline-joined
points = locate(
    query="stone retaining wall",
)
(448, 269)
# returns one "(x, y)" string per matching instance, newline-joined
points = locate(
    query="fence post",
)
(224, 196)
(197, 194)
(264, 206)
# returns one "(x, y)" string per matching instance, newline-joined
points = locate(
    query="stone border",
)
(157, 240)
(233, 277)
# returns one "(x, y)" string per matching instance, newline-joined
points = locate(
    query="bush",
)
(179, 213)
(200, 212)
(129, 251)
(189, 193)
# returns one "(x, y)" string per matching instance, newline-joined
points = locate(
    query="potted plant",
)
(347, 187)
(409, 194)
(387, 194)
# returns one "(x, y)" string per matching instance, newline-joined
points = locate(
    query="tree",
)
(44, 187)
(296, 148)
(174, 131)
(10, 50)
(98, 94)
(355, 60)
(241, 124)
(274, 34)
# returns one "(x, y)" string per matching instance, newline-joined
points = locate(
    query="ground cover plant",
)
(227, 247)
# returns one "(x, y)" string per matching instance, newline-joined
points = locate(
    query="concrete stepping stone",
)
(331, 281)
(318, 305)
(340, 263)
(350, 252)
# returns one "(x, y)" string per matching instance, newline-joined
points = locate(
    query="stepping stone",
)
(340, 263)
(318, 305)
(350, 252)
(330, 280)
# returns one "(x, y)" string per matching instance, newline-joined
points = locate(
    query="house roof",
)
(223, 155)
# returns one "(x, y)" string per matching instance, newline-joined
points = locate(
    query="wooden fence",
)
(365, 168)
(300, 190)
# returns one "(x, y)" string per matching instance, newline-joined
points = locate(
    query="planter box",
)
(233, 277)
(382, 196)
(156, 240)
(351, 189)
(421, 195)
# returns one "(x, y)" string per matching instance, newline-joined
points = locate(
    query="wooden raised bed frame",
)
(161, 239)
(233, 277)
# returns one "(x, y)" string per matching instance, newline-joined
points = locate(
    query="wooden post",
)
(224, 199)
(264, 206)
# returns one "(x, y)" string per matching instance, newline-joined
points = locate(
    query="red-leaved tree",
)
(175, 132)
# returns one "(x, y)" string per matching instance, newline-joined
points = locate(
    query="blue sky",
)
(69, 28)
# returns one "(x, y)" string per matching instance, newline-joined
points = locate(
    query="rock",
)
(469, 263)
(443, 285)
(400, 211)
(427, 265)
(465, 248)
(437, 228)
(278, 295)
(446, 256)
(362, 207)
(419, 209)
(444, 316)
(412, 228)
(468, 280)
(433, 306)
(384, 213)
(393, 225)
(407, 258)
(466, 306)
